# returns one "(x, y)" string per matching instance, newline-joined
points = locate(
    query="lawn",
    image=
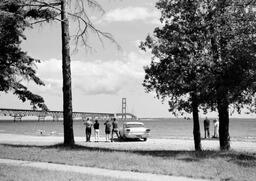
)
(15, 173)
(207, 164)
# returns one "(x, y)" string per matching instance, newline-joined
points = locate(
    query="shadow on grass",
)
(239, 158)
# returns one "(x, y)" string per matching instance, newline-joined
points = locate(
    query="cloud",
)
(95, 77)
(132, 14)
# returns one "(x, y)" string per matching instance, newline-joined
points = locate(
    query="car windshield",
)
(133, 125)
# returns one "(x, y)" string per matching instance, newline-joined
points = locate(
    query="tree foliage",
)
(184, 58)
(15, 65)
(178, 65)
(232, 28)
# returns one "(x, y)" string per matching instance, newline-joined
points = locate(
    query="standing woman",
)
(107, 130)
(96, 127)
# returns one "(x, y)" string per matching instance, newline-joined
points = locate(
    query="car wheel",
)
(122, 137)
(144, 139)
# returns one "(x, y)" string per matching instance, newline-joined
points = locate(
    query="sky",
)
(103, 74)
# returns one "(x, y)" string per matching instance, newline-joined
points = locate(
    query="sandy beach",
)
(151, 144)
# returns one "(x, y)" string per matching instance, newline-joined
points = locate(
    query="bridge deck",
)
(17, 114)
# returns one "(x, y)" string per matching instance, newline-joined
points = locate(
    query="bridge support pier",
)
(55, 118)
(41, 118)
(17, 118)
(123, 108)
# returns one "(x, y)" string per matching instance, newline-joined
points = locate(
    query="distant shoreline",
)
(139, 119)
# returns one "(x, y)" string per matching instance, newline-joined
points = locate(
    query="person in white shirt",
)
(216, 128)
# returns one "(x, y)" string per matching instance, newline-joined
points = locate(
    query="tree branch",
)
(82, 19)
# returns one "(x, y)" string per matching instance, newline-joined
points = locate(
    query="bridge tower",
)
(123, 108)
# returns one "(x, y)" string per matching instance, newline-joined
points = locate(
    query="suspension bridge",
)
(18, 114)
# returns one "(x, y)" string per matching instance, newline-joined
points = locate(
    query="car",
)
(134, 130)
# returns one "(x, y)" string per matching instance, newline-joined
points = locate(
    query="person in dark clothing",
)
(107, 130)
(88, 129)
(206, 128)
(96, 127)
(114, 129)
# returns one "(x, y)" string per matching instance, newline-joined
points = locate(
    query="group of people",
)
(110, 128)
(207, 128)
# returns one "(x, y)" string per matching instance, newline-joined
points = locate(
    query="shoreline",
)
(47, 134)
(167, 129)
(150, 145)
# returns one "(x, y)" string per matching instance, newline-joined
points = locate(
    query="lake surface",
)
(240, 129)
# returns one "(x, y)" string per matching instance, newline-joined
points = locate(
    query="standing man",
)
(88, 129)
(96, 127)
(107, 130)
(206, 128)
(114, 129)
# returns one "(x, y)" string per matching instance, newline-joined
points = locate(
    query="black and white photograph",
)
(118, 90)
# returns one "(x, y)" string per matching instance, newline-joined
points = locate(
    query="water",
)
(240, 129)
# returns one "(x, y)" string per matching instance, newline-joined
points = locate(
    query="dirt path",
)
(96, 171)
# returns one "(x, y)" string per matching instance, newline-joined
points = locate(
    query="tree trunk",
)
(196, 125)
(66, 71)
(222, 101)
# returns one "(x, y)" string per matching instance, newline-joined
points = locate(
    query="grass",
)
(207, 164)
(15, 173)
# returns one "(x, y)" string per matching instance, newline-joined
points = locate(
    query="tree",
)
(77, 11)
(232, 29)
(15, 65)
(178, 68)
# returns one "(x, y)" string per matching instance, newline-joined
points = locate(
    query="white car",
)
(134, 130)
